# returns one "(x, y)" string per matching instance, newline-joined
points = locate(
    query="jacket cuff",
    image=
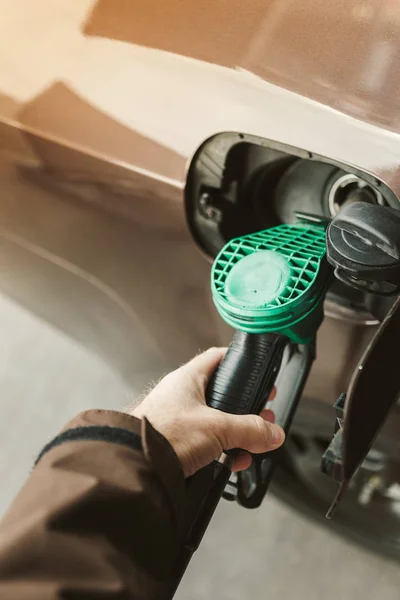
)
(140, 435)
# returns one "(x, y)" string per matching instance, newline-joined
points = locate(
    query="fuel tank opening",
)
(347, 189)
(239, 184)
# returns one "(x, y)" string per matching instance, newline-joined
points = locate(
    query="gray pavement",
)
(271, 553)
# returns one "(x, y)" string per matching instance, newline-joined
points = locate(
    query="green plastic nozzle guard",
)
(273, 281)
(270, 287)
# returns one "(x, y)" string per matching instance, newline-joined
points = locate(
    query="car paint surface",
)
(102, 105)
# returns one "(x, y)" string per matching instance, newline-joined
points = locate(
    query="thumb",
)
(249, 432)
(204, 364)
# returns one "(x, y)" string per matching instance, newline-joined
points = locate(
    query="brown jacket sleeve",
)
(98, 516)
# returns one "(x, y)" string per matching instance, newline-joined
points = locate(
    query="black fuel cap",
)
(363, 246)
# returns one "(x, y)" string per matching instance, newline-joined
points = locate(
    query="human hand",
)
(176, 407)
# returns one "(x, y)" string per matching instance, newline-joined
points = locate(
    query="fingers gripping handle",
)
(245, 377)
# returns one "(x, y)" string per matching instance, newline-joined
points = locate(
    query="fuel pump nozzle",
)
(270, 287)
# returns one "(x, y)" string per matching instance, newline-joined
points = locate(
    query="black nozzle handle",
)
(240, 385)
(245, 377)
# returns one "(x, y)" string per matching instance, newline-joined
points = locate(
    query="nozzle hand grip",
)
(245, 377)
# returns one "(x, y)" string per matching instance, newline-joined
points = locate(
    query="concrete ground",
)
(270, 553)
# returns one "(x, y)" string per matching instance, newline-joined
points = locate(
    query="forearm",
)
(96, 518)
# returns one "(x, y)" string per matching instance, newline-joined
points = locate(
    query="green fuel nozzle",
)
(270, 286)
(273, 281)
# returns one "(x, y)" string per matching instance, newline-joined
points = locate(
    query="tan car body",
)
(102, 106)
